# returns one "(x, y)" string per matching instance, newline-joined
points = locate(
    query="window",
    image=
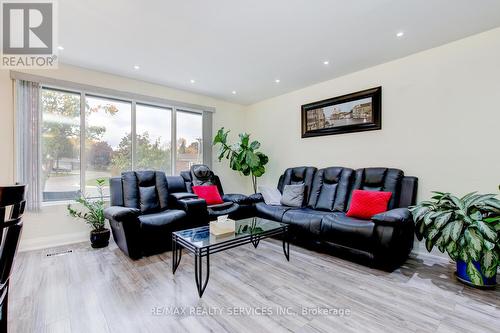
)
(60, 145)
(189, 140)
(108, 141)
(109, 136)
(153, 138)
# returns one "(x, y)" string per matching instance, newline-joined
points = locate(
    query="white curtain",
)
(28, 145)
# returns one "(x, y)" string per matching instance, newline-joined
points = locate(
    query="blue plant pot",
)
(464, 277)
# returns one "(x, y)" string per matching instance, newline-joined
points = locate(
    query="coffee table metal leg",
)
(176, 254)
(286, 245)
(201, 283)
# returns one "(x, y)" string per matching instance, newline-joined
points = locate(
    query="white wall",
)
(52, 226)
(440, 120)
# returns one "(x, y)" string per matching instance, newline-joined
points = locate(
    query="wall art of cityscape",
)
(350, 113)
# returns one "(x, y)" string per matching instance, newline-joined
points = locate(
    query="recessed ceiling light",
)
(326, 62)
(60, 47)
(277, 80)
(137, 67)
(192, 81)
(400, 34)
(233, 92)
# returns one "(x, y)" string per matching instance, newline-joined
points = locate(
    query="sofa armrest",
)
(242, 199)
(235, 197)
(182, 195)
(256, 197)
(393, 217)
(121, 214)
(192, 205)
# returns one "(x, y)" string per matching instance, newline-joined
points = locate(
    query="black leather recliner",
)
(145, 209)
(237, 206)
(386, 240)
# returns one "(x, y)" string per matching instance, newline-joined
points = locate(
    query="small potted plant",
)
(94, 216)
(467, 228)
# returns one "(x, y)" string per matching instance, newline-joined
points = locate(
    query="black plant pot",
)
(99, 238)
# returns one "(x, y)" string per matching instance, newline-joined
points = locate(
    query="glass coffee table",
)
(202, 244)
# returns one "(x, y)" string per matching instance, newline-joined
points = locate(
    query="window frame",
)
(134, 100)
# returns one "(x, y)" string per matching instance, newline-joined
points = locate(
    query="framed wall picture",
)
(356, 112)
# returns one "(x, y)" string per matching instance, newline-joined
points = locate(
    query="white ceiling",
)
(244, 45)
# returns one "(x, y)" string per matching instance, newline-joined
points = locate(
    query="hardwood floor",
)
(102, 290)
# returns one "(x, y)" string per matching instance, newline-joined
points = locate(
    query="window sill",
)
(65, 202)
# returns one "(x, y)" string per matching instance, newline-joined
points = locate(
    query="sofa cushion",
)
(148, 199)
(330, 189)
(365, 204)
(347, 231)
(162, 218)
(305, 219)
(208, 192)
(271, 195)
(293, 195)
(380, 179)
(271, 212)
(298, 175)
(134, 180)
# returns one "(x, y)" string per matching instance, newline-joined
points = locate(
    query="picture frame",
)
(356, 112)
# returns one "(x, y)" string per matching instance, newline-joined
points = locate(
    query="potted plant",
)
(467, 228)
(243, 156)
(94, 216)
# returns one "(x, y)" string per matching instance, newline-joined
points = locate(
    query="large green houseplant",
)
(243, 155)
(467, 228)
(93, 215)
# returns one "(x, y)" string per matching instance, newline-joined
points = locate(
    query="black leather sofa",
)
(237, 206)
(146, 206)
(384, 241)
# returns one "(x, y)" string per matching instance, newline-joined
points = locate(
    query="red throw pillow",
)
(365, 204)
(208, 192)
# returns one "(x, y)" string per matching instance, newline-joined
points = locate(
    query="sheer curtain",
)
(28, 145)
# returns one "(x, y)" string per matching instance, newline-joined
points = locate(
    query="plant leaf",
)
(456, 229)
(244, 138)
(451, 247)
(474, 274)
(255, 145)
(262, 157)
(488, 245)
(258, 171)
(252, 159)
(419, 212)
(494, 203)
(447, 232)
(464, 254)
(457, 202)
(429, 244)
(473, 254)
(467, 196)
(476, 216)
(486, 231)
(474, 239)
(479, 198)
(489, 264)
(429, 216)
(492, 219)
(442, 219)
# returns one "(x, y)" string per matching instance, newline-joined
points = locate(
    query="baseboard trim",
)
(38, 243)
